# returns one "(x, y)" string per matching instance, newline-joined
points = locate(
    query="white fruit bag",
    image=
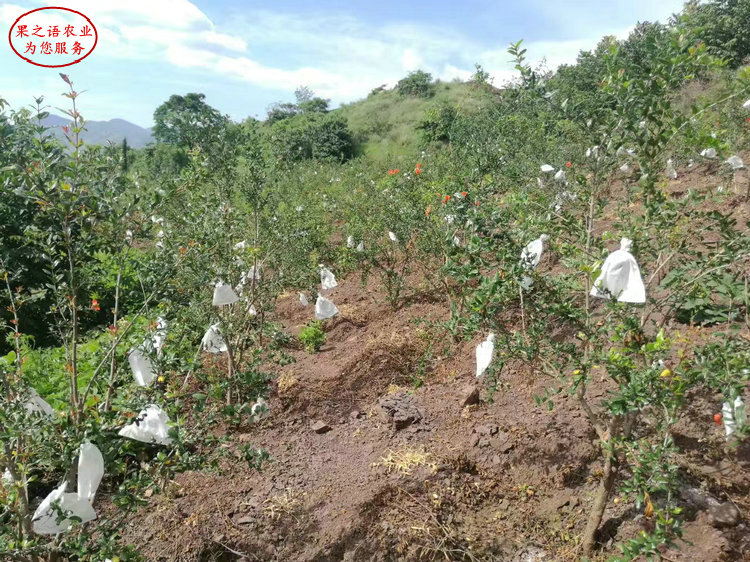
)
(224, 294)
(733, 415)
(140, 364)
(7, 478)
(709, 153)
(530, 257)
(212, 341)
(735, 162)
(325, 309)
(71, 504)
(546, 169)
(532, 253)
(484, 352)
(151, 426)
(327, 278)
(38, 405)
(393, 237)
(746, 105)
(361, 246)
(160, 335)
(620, 277)
(90, 470)
(90, 474)
(260, 409)
(303, 299)
(671, 172)
(350, 242)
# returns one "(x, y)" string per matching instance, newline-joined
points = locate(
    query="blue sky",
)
(245, 55)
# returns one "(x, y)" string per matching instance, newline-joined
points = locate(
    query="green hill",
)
(385, 122)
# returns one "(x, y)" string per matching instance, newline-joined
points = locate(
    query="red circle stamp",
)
(53, 37)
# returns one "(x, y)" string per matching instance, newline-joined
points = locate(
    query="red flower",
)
(113, 329)
(418, 171)
(464, 193)
(567, 164)
(95, 305)
(395, 171)
(419, 165)
(477, 203)
(446, 199)
(717, 419)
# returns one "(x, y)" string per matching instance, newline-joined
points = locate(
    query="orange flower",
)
(419, 165)
(95, 305)
(464, 193)
(477, 203)
(567, 164)
(418, 171)
(428, 210)
(395, 171)
(446, 199)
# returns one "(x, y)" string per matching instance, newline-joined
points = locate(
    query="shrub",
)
(311, 135)
(437, 123)
(312, 336)
(418, 84)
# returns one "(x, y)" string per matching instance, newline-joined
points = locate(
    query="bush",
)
(311, 135)
(418, 84)
(312, 336)
(437, 123)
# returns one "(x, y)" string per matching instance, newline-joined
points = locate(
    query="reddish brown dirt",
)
(497, 479)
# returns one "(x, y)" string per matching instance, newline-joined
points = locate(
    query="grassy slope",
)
(384, 123)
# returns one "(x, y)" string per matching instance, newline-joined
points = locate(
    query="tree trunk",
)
(605, 488)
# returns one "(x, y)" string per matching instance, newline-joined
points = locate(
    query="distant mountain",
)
(101, 132)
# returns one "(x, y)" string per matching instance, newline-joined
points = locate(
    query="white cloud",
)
(410, 60)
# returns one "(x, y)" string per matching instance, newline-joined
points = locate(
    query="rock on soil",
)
(470, 395)
(531, 553)
(400, 409)
(724, 515)
(320, 427)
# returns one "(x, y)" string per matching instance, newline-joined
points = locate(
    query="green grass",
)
(385, 123)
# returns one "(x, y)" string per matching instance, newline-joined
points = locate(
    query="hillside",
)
(384, 446)
(104, 132)
(442, 323)
(386, 122)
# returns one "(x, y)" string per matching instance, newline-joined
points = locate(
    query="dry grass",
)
(287, 503)
(405, 460)
(286, 383)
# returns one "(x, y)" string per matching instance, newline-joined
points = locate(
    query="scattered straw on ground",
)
(405, 460)
(286, 382)
(286, 503)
